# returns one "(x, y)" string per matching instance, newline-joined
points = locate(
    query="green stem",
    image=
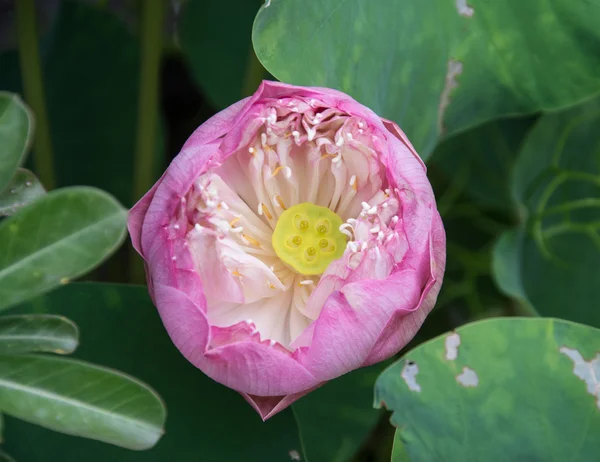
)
(33, 86)
(255, 72)
(145, 153)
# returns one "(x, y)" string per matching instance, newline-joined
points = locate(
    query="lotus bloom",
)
(294, 238)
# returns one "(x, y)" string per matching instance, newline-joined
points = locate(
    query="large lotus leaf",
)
(557, 185)
(435, 66)
(507, 389)
(120, 328)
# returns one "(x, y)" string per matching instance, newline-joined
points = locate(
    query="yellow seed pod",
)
(307, 238)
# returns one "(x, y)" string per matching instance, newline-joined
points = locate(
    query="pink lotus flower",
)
(294, 238)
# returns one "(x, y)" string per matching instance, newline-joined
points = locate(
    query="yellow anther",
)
(236, 273)
(234, 221)
(251, 240)
(307, 238)
(266, 212)
(277, 170)
(280, 202)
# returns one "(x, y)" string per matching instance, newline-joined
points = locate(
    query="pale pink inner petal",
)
(301, 153)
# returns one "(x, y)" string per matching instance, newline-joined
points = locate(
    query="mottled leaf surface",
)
(503, 389)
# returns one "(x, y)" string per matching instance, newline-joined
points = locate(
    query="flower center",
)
(307, 238)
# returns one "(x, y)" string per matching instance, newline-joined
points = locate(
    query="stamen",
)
(236, 273)
(307, 282)
(375, 229)
(239, 229)
(353, 182)
(395, 219)
(224, 205)
(372, 210)
(260, 208)
(251, 240)
(365, 206)
(277, 198)
(344, 230)
(265, 210)
(353, 246)
(234, 221)
(296, 136)
(251, 151)
(311, 132)
(287, 172)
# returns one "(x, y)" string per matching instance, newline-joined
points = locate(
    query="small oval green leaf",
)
(16, 131)
(80, 399)
(37, 333)
(55, 239)
(24, 188)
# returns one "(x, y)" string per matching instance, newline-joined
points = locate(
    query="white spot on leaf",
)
(464, 9)
(455, 68)
(452, 342)
(588, 371)
(294, 455)
(409, 374)
(468, 378)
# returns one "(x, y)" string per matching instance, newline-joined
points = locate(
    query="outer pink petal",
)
(268, 406)
(352, 320)
(402, 327)
(246, 366)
